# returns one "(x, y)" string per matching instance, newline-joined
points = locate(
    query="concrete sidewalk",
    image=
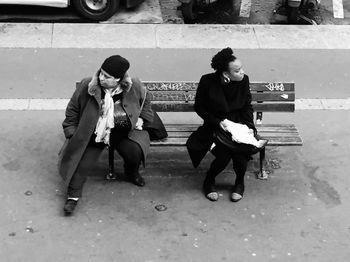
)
(164, 36)
(300, 214)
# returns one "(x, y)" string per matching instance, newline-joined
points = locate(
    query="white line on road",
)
(61, 104)
(245, 8)
(338, 10)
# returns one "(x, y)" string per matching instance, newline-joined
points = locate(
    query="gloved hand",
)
(139, 124)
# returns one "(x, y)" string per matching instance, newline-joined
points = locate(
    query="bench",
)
(266, 97)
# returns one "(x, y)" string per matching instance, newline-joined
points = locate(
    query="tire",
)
(187, 12)
(293, 15)
(96, 10)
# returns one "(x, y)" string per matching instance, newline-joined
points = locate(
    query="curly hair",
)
(220, 61)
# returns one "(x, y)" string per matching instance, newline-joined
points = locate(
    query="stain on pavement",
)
(322, 189)
(12, 165)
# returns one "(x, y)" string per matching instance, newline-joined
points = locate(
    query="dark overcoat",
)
(83, 111)
(212, 106)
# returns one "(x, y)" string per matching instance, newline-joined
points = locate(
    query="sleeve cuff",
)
(69, 131)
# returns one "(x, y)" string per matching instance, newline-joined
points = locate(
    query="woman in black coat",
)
(108, 109)
(221, 96)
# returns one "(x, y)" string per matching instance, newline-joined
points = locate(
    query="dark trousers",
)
(129, 150)
(223, 156)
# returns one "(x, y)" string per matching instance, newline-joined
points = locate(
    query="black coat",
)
(82, 113)
(214, 102)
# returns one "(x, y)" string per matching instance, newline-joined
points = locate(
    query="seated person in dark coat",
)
(108, 109)
(221, 97)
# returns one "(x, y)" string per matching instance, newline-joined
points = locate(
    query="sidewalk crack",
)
(256, 37)
(51, 43)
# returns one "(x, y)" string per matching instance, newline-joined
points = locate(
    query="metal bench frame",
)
(178, 96)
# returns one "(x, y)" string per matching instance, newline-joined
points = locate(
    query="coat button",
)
(125, 105)
(130, 115)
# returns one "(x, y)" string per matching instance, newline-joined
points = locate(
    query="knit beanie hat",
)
(116, 66)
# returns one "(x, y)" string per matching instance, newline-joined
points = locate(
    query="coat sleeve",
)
(201, 104)
(146, 111)
(70, 123)
(247, 112)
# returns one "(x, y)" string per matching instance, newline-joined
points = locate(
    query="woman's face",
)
(235, 71)
(107, 81)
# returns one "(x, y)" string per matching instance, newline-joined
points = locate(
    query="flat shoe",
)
(213, 196)
(238, 191)
(235, 197)
(210, 191)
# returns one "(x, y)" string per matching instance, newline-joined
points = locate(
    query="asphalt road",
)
(51, 73)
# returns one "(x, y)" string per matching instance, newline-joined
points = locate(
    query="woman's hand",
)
(139, 124)
(224, 124)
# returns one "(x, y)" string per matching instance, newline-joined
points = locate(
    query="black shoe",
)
(237, 192)
(138, 180)
(209, 190)
(69, 207)
(111, 176)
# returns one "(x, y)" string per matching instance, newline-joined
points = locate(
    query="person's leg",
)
(222, 157)
(78, 180)
(131, 153)
(76, 184)
(240, 163)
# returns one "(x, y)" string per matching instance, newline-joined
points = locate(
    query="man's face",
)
(107, 81)
(235, 71)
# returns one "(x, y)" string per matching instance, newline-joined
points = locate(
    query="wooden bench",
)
(266, 97)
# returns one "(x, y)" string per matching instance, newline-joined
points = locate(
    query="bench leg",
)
(111, 175)
(262, 172)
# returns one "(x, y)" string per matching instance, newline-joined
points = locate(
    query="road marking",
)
(245, 8)
(61, 104)
(338, 9)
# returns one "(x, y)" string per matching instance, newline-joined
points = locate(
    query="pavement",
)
(165, 36)
(299, 214)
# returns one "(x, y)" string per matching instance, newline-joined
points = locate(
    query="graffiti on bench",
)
(275, 86)
(164, 86)
(171, 96)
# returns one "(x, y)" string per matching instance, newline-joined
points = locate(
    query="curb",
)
(25, 35)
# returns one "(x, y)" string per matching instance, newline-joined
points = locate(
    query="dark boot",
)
(69, 207)
(137, 179)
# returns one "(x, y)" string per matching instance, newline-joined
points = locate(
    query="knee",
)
(133, 156)
(222, 160)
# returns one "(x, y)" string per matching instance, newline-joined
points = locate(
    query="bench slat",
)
(279, 134)
(273, 141)
(171, 106)
(264, 127)
(273, 86)
(273, 107)
(170, 85)
(192, 85)
(190, 96)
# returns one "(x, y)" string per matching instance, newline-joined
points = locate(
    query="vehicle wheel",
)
(187, 12)
(293, 15)
(97, 10)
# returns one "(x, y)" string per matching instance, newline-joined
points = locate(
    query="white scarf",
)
(105, 122)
